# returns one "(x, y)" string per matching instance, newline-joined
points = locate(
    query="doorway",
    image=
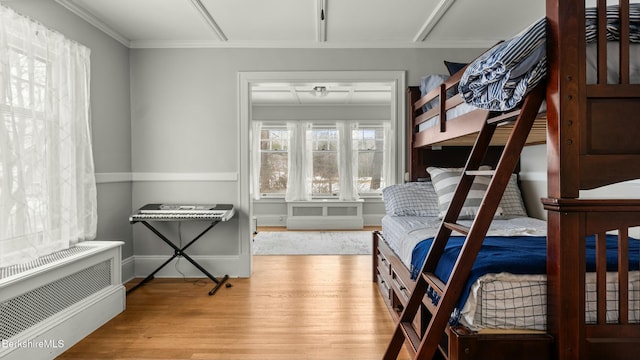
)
(307, 82)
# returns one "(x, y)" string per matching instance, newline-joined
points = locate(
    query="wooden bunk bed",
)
(586, 149)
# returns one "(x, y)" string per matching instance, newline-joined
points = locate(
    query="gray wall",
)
(110, 114)
(533, 173)
(185, 115)
(165, 129)
(165, 126)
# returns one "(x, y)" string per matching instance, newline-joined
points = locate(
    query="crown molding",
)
(93, 20)
(439, 44)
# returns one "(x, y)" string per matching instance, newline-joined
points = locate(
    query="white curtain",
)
(300, 162)
(347, 160)
(47, 182)
(256, 160)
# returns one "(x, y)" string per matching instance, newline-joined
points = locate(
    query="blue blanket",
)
(513, 254)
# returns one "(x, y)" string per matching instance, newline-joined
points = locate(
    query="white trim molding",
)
(103, 178)
(209, 20)
(216, 44)
(128, 269)
(435, 16)
(214, 176)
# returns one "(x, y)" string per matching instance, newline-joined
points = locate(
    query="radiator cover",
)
(35, 306)
(58, 299)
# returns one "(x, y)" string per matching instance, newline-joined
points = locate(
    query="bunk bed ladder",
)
(424, 346)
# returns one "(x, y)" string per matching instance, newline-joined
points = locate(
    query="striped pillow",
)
(445, 181)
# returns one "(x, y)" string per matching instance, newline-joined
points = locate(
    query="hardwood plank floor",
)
(292, 307)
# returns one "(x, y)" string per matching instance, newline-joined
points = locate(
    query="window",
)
(274, 156)
(370, 146)
(320, 149)
(47, 180)
(23, 108)
(324, 146)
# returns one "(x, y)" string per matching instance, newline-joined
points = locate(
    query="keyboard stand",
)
(180, 252)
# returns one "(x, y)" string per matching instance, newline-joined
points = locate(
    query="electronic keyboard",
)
(178, 212)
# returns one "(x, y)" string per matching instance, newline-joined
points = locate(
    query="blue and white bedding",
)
(500, 78)
(501, 299)
(403, 233)
(513, 255)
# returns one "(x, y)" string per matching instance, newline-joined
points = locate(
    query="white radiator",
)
(51, 303)
(325, 215)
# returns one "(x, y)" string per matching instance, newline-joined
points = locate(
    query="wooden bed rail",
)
(592, 127)
(575, 219)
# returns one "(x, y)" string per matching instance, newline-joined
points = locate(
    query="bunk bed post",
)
(415, 168)
(565, 105)
(565, 269)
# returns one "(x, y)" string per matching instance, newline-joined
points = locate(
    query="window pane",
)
(274, 139)
(274, 143)
(325, 161)
(273, 173)
(325, 173)
(370, 145)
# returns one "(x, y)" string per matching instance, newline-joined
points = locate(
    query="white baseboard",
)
(128, 269)
(272, 220)
(215, 265)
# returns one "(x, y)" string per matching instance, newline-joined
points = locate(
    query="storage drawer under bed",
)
(392, 285)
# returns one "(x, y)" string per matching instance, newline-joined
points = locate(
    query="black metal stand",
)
(181, 252)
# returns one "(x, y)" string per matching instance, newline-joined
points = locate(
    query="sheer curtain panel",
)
(347, 160)
(300, 162)
(47, 181)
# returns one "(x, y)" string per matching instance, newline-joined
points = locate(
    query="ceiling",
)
(309, 24)
(357, 93)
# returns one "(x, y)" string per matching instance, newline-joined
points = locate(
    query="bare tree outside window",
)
(368, 143)
(325, 161)
(274, 156)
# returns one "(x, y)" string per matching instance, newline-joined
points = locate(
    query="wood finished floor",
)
(292, 307)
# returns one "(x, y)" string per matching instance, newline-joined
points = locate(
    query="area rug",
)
(313, 243)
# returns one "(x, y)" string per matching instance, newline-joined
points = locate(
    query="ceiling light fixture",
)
(320, 91)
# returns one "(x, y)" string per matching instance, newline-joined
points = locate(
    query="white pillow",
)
(512, 203)
(411, 199)
(445, 181)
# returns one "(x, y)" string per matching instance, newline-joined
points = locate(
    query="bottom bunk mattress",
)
(505, 300)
